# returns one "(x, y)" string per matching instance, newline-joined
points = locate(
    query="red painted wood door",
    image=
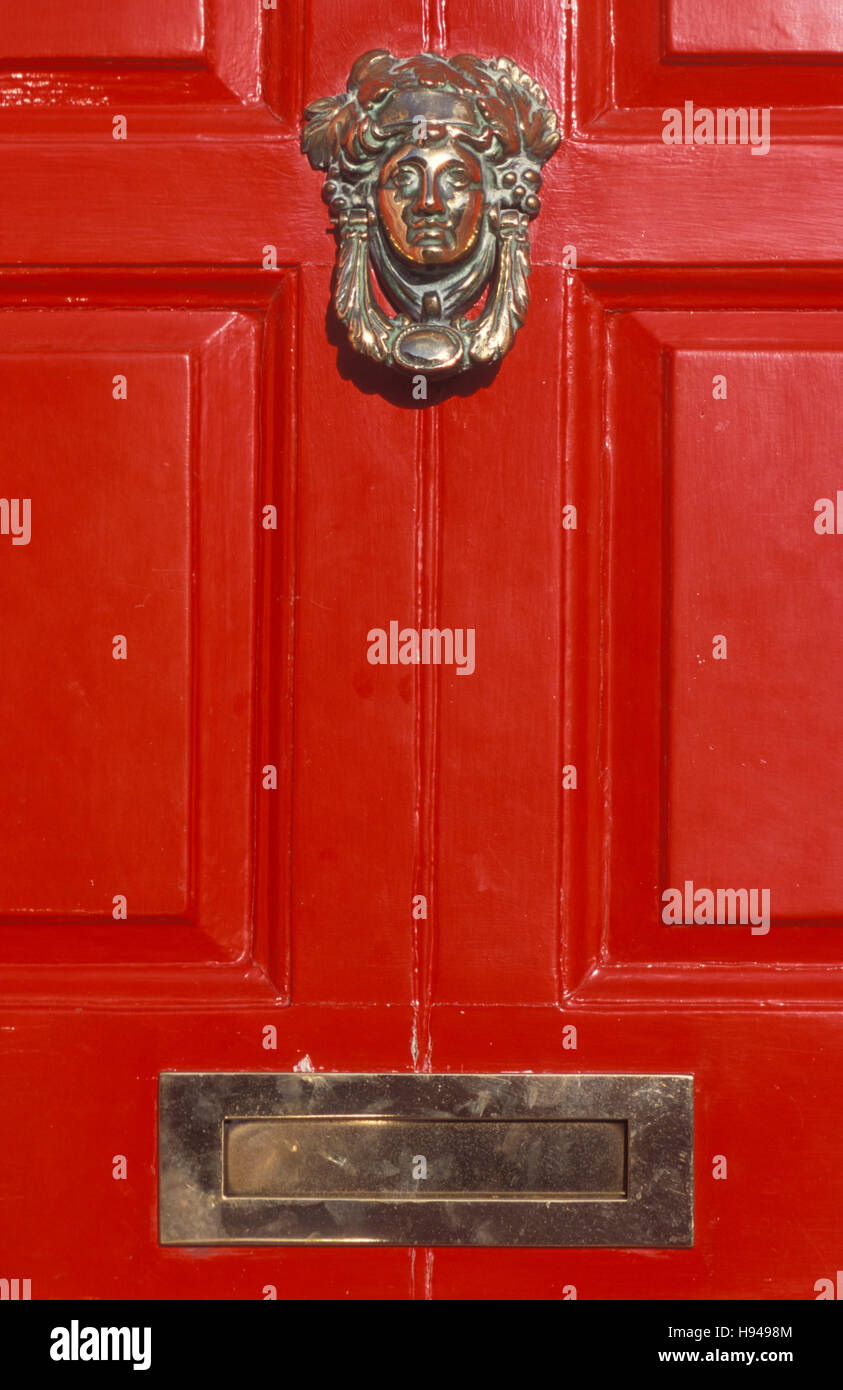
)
(655, 699)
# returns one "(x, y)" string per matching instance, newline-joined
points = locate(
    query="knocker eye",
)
(403, 181)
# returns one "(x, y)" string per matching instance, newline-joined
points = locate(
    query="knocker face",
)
(432, 176)
(431, 202)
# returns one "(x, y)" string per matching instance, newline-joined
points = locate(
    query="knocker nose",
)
(430, 201)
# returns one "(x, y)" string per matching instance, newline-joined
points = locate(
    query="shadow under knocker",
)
(433, 171)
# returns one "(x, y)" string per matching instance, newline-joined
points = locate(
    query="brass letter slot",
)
(458, 1159)
(405, 1159)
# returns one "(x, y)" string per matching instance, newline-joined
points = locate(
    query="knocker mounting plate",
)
(433, 170)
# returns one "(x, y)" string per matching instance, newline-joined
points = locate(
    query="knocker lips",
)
(433, 172)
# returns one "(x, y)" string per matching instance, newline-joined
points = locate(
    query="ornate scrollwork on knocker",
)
(433, 170)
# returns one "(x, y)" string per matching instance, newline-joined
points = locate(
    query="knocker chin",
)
(433, 174)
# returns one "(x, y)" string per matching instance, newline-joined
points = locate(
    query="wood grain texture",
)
(354, 722)
(498, 825)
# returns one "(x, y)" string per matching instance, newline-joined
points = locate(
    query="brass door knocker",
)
(433, 172)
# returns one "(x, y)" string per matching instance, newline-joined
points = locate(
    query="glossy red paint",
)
(291, 907)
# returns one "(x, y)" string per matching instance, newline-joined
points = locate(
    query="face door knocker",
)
(433, 172)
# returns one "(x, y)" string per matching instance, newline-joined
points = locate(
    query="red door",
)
(217, 814)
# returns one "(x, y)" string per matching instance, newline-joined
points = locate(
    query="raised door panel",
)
(110, 56)
(713, 753)
(97, 579)
(135, 455)
(765, 28)
(654, 54)
(102, 29)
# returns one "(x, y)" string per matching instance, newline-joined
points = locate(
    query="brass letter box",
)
(249, 1159)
